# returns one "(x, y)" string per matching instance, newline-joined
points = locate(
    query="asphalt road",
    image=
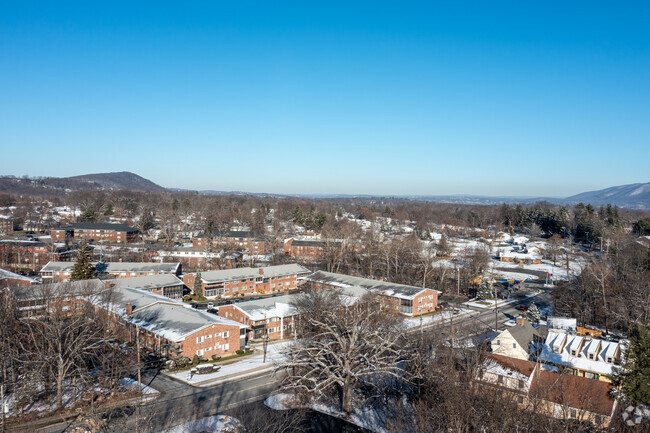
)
(179, 402)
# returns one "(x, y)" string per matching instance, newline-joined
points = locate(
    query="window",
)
(500, 379)
(225, 347)
(514, 345)
(199, 352)
(609, 360)
(520, 384)
(225, 334)
(498, 343)
(573, 413)
(573, 353)
(199, 340)
(520, 399)
(591, 356)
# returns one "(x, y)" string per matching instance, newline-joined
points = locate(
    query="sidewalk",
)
(248, 366)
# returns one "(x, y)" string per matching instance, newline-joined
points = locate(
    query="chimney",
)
(521, 320)
(129, 308)
(261, 271)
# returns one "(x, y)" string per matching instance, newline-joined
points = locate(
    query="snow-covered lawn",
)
(414, 322)
(489, 303)
(212, 424)
(243, 367)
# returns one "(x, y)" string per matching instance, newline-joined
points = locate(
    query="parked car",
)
(443, 304)
(522, 308)
(210, 305)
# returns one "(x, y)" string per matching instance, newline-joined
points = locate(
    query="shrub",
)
(216, 357)
(195, 360)
(239, 352)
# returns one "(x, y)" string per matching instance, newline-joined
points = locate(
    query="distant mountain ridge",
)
(123, 180)
(632, 196)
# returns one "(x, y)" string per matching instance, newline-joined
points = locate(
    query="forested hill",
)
(633, 196)
(123, 180)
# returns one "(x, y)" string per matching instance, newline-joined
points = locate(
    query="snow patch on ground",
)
(365, 417)
(414, 322)
(212, 424)
(245, 366)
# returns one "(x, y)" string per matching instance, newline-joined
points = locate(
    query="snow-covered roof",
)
(599, 349)
(115, 267)
(11, 275)
(385, 288)
(148, 282)
(167, 318)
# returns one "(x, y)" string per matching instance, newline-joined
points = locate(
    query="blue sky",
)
(492, 98)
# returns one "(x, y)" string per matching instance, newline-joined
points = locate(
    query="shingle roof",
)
(573, 391)
(382, 287)
(56, 290)
(524, 334)
(302, 243)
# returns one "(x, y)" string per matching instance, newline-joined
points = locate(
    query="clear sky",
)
(494, 98)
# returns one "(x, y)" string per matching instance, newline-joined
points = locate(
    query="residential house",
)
(593, 358)
(520, 341)
(407, 300)
(542, 388)
(227, 283)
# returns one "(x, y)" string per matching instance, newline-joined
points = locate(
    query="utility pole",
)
(264, 342)
(2, 401)
(137, 408)
(496, 307)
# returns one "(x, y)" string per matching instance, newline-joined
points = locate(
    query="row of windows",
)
(201, 339)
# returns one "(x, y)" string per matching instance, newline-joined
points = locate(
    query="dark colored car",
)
(443, 304)
(522, 308)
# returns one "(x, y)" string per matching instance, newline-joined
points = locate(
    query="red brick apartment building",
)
(101, 232)
(11, 279)
(167, 285)
(168, 327)
(61, 271)
(275, 316)
(252, 241)
(303, 250)
(407, 300)
(7, 225)
(41, 299)
(26, 253)
(245, 281)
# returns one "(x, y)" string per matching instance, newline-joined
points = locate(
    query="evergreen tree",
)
(484, 289)
(83, 268)
(533, 313)
(198, 288)
(633, 375)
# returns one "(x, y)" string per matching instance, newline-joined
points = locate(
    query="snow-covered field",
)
(243, 367)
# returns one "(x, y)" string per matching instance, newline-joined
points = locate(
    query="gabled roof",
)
(212, 277)
(167, 318)
(114, 267)
(574, 392)
(57, 290)
(508, 366)
(11, 275)
(581, 361)
(385, 288)
(306, 243)
(524, 334)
